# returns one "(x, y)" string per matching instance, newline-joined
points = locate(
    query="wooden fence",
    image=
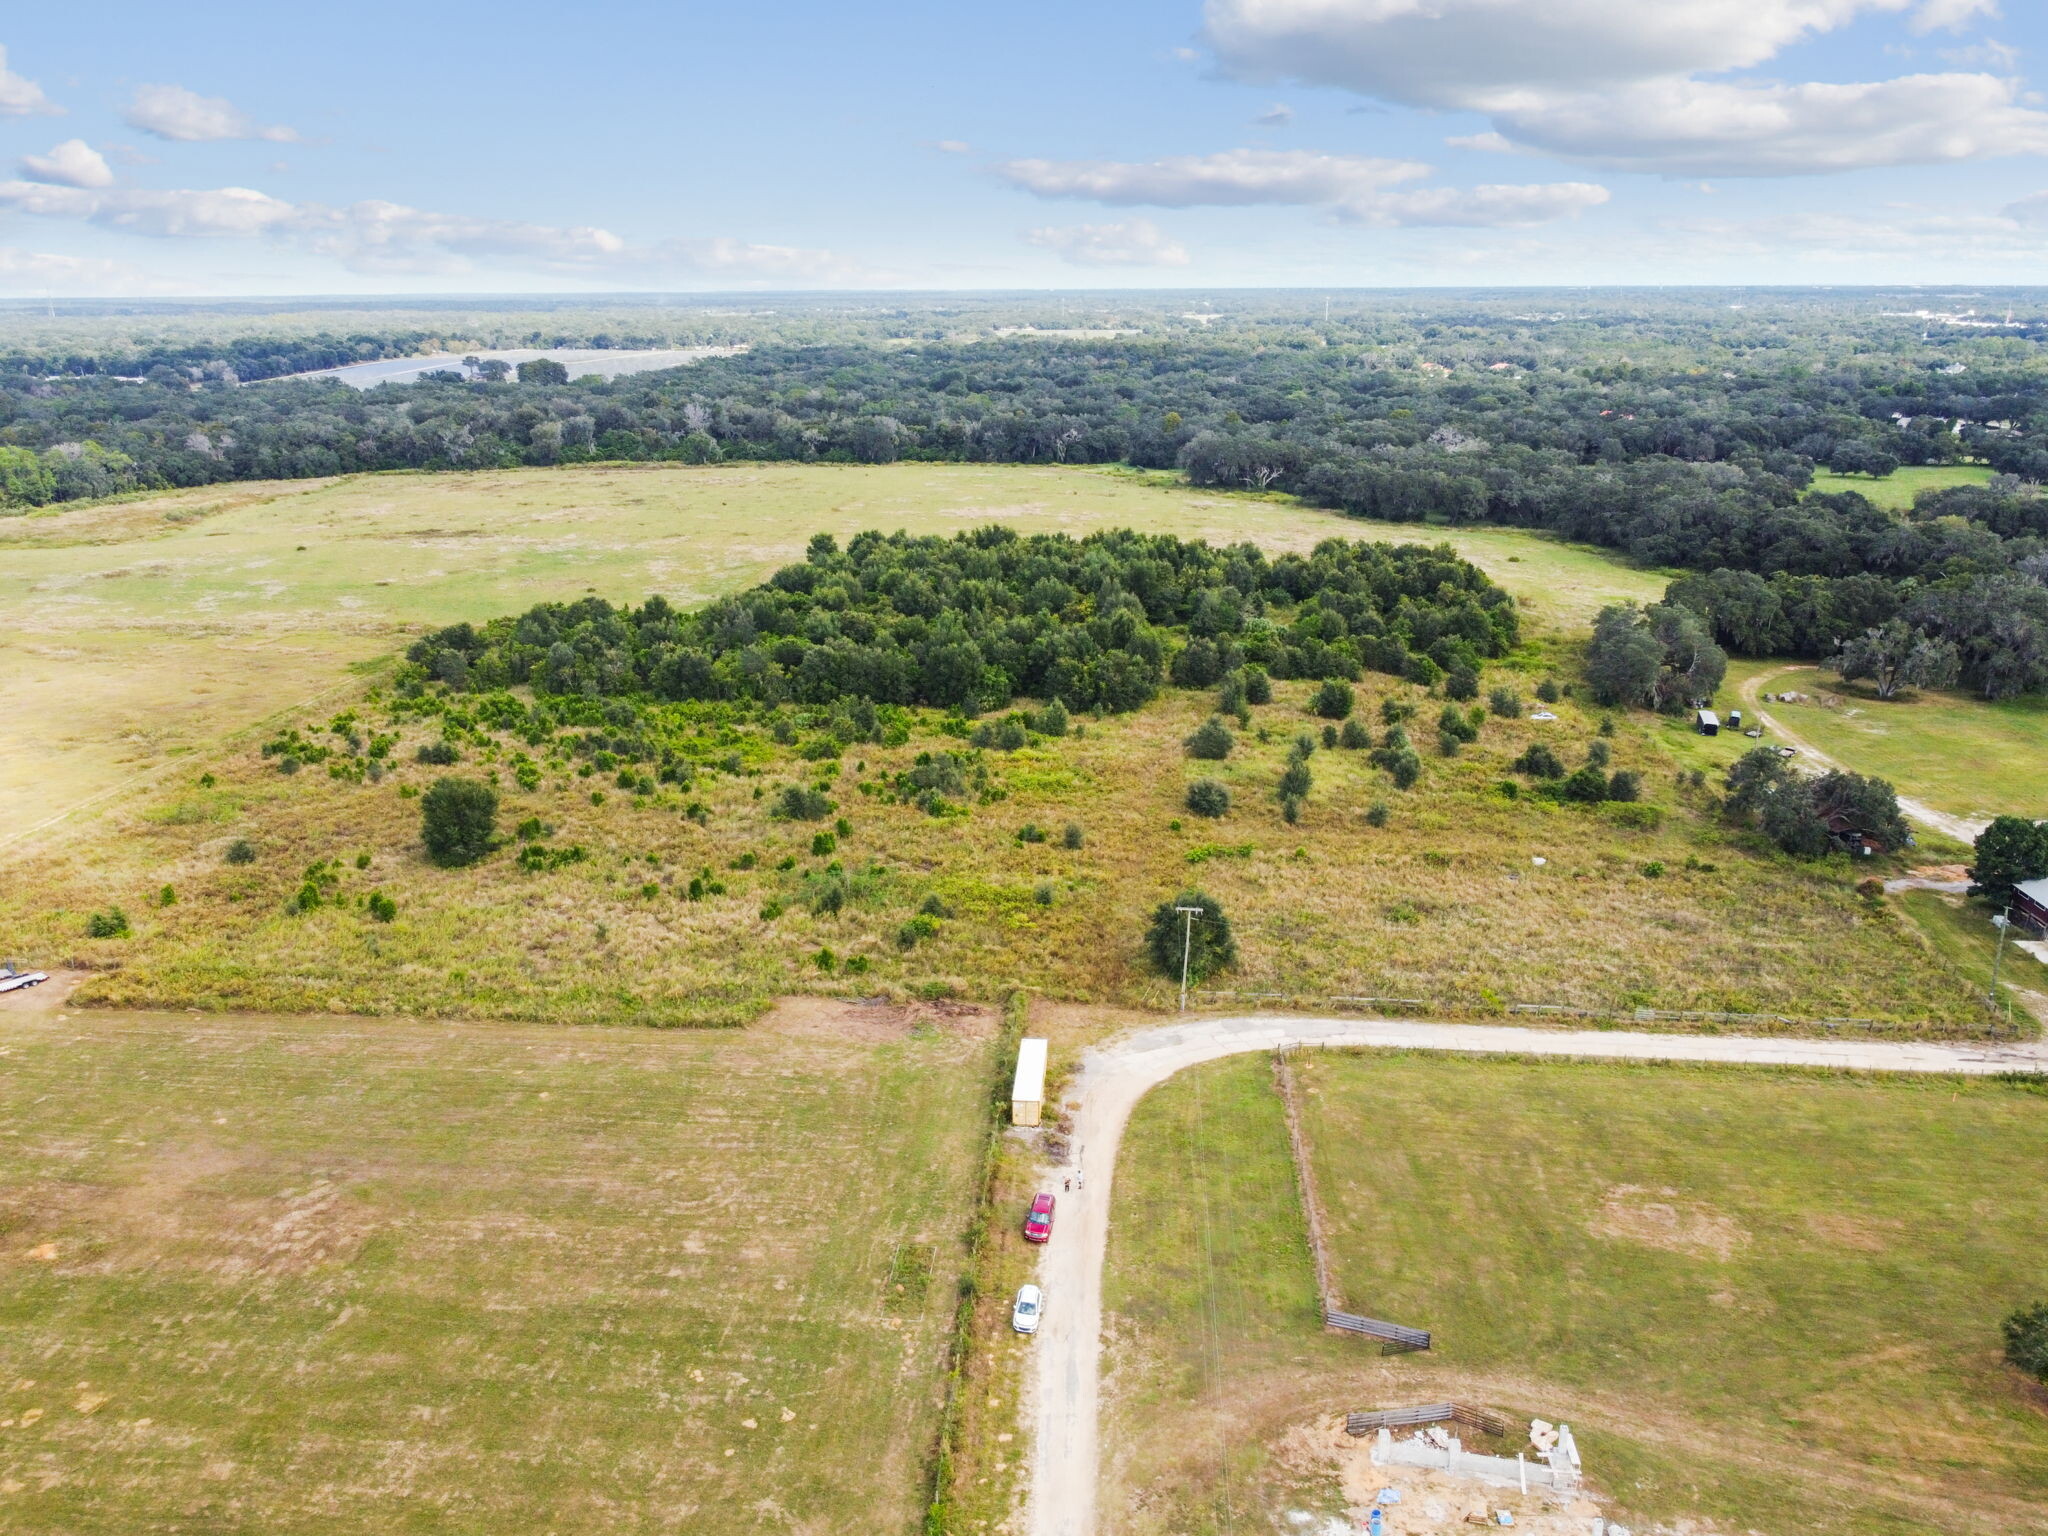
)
(1362, 1424)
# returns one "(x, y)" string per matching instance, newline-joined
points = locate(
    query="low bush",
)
(241, 851)
(110, 924)
(382, 908)
(1505, 702)
(800, 802)
(1333, 701)
(1209, 797)
(441, 754)
(1211, 741)
(459, 821)
(1354, 737)
(1539, 762)
(1073, 837)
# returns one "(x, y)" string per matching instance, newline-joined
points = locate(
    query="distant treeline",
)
(973, 621)
(1670, 462)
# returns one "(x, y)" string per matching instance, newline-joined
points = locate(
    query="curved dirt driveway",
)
(1067, 1352)
(1963, 829)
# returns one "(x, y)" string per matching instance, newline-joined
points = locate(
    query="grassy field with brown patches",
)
(135, 634)
(279, 1276)
(1764, 1301)
(1446, 903)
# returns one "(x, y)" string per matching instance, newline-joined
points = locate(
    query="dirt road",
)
(1963, 829)
(1063, 1406)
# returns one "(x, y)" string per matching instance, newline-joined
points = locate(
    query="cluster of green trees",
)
(1810, 816)
(972, 621)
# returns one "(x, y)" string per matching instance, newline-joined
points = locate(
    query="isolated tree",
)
(493, 370)
(1258, 687)
(459, 820)
(2011, 850)
(1659, 657)
(1893, 657)
(542, 370)
(1505, 702)
(2026, 1340)
(1333, 701)
(1208, 797)
(1209, 945)
(1539, 762)
(1354, 737)
(1211, 741)
(1295, 779)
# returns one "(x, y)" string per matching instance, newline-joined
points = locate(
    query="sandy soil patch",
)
(1660, 1218)
(875, 1019)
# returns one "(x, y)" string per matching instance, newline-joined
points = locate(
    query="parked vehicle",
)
(1030, 1303)
(1038, 1224)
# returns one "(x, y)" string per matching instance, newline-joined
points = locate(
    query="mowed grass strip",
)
(1956, 752)
(1895, 492)
(290, 1277)
(1764, 1300)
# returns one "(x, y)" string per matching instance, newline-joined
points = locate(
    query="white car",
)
(1025, 1314)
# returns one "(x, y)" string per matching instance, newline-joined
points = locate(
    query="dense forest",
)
(1678, 432)
(970, 622)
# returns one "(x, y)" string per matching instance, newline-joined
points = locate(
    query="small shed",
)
(2030, 904)
(1707, 723)
(1027, 1091)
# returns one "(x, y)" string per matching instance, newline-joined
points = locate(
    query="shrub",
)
(1354, 737)
(110, 924)
(921, 927)
(1052, 720)
(1454, 722)
(1073, 837)
(441, 754)
(1205, 944)
(1508, 789)
(1653, 870)
(800, 802)
(1539, 762)
(1637, 818)
(1208, 797)
(771, 909)
(1871, 889)
(459, 820)
(1230, 695)
(1295, 780)
(2026, 1340)
(1303, 747)
(1394, 711)
(1461, 683)
(167, 897)
(241, 851)
(1329, 736)
(1448, 744)
(1505, 702)
(1588, 786)
(1031, 832)
(1376, 814)
(1333, 701)
(934, 906)
(1398, 761)
(1290, 809)
(1042, 893)
(1258, 687)
(1548, 691)
(1211, 741)
(1625, 785)
(823, 844)
(1598, 753)
(382, 908)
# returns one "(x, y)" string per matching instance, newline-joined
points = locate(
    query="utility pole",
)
(1187, 945)
(2003, 923)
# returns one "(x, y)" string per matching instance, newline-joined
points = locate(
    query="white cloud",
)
(1135, 243)
(1612, 82)
(1707, 128)
(43, 272)
(22, 98)
(173, 112)
(1232, 178)
(386, 237)
(1354, 188)
(954, 147)
(1487, 207)
(74, 163)
(1950, 15)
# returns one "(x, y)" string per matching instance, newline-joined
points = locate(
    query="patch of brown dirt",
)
(1660, 1219)
(1852, 1231)
(875, 1018)
(1940, 872)
(43, 999)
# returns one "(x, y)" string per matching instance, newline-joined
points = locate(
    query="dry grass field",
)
(136, 635)
(1656, 906)
(288, 1276)
(1765, 1301)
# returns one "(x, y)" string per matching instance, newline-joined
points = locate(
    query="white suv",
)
(1024, 1315)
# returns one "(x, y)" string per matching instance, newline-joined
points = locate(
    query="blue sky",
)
(463, 147)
